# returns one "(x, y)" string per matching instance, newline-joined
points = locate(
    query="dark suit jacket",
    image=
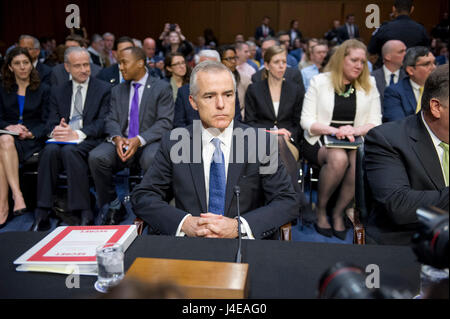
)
(403, 173)
(185, 114)
(342, 33)
(399, 101)
(112, 76)
(95, 108)
(259, 111)
(402, 28)
(44, 73)
(35, 110)
(59, 74)
(259, 33)
(381, 81)
(155, 110)
(267, 201)
(291, 74)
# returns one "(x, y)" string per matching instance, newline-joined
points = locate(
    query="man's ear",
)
(66, 66)
(193, 104)
(434, 108)
(408, 70)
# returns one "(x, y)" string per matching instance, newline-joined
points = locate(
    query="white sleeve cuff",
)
(245, 228)
(143, 142)
(81, 135)
(180, 233)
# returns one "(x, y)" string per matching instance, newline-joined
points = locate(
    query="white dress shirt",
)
(416, 89)
(276, 106)
(84, 88)
(436, 142)
(387, 75)
(208, 149)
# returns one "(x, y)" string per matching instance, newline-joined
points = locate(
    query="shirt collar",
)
(35, 63)
(414, 85)
(142, 81)
(225, 137)
(84, 85)
(436, 140)
(388, 72)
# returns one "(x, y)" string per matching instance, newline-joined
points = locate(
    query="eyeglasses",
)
(229, 59)
(178, 63)
(427, 65)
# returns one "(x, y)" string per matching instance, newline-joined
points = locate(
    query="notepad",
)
(334, 142)
(53, 141)
(9, 132)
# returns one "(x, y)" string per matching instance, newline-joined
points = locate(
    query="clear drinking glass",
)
(110, 266)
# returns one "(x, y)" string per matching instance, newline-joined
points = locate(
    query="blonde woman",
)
(344, 102)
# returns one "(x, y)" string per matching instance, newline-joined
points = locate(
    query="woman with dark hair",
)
(275, 103)
(343, 102)
(23, 111)
(172, 40)
(177, 70)
(229, 59)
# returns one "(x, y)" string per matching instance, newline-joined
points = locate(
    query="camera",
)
(430, 242)
(172, 27)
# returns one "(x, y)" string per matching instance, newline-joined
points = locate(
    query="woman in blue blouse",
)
(23, 111)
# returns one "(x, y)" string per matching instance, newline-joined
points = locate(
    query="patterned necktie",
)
(419, 103)
(392, 79)
(445, 161)
(77, 115)
(133, 130)
(217, 181)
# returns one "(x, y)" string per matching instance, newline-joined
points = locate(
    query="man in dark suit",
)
(402, 28)
(76, 113)
(403, 99)
(264, 30)
(59, 74)
(34, 49)
(406, 164)
(141, 112)
(391, 72)
(208, 209)
(96, 50)
(349, 30)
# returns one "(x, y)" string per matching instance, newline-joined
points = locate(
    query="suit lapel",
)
(283, 96)
(67, 101)
(87, 101)
(197, 171)
(422, 144)
(125, 105)
(409, 94)
(145, 97)
(268, 98)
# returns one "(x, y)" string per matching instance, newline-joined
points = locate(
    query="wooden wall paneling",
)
(233, 15)
(205, 11)
(259, 9)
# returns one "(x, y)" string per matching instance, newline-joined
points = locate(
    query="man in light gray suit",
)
(391, 72)
(142, 110)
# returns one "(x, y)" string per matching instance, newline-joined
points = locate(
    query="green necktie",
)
(445, 161)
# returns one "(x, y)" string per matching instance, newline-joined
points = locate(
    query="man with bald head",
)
(76, 119)
(149, 46)
(391, 72)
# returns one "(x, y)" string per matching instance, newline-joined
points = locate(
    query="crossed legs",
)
(337, 167)
(9, 176)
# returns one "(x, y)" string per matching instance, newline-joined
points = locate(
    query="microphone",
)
(237, 192)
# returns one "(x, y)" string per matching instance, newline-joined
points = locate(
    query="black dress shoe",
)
(41, 225)
(115, 216)
(341, 234)
(20, 212)
(87, 218)
(327, 232)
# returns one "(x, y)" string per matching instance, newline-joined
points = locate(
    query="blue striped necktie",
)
(217, 181)
(392, 79)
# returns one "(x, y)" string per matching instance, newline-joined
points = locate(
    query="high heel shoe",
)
(327, 232)
(20, 212)
(341, 234)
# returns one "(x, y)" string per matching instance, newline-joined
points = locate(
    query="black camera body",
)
(172, 27)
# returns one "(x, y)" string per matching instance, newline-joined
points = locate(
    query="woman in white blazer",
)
(343, 102)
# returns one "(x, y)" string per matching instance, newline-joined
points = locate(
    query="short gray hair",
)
(436, 86)
(36, 43)
(108, 34)
(207, 66)
(207, 54)
(71, 50)
(413, 54)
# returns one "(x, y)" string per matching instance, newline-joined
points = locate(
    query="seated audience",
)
(96, 50)
(274, 103)
(285, 41)
(108, 52)
(177, 71)
(297, 51)
(343, 102)
(406, 165)
(228, 58)
(318, 55)
(306, 58)
(141, 112)
(34, 48)
(184, 113)
(403, 99)
(391, 72)
(23, 106)
(76, 113)
(243, 54)
(209, 208)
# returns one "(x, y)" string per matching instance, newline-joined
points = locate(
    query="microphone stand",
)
(237, 192)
